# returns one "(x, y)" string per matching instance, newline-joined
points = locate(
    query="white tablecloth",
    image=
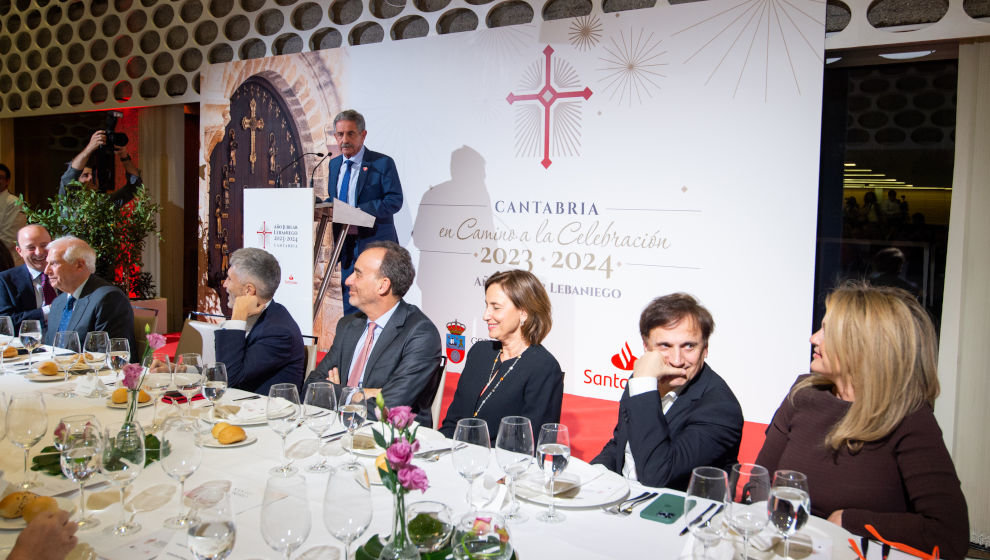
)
(588, 533)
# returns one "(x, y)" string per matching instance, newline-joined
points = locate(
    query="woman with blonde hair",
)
(862, 426)
(512, 374)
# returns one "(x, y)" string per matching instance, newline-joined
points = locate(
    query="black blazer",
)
(17, 296)
(534, 389)
(271, 353)
(403, 362)
(101, 307)
(702, 428)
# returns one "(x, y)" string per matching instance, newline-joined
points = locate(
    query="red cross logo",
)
(264, 233)
(547, 97)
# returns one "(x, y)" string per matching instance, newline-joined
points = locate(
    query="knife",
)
(696, 520)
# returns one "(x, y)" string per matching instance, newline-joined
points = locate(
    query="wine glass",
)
(706, 493)
(214, 382)
(82, 452)
(123, 461)
(285, 516)
(789, 504)
(65, 354)
(188, 376)
(553, 450)
(283, 412)
(27, 422)
(157, 379)
(30, 335)
(514, 453)
(6, 337)
(749, 488)
(181, 454)
(120, 354)
(471, 452)
(319, 410)
(347, 504)
(212, 536)
(97, 350)
(353, 412)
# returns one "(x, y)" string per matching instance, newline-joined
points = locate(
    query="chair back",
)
(145, 320)
(441, 375)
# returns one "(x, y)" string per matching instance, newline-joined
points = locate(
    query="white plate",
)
(18, 522)
(112, 404)
(599, 486)
(428, 438)
(41, 378)
(252, 405)
(210, 441)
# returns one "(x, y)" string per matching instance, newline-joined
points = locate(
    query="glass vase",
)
(399, 546)
(132, 404)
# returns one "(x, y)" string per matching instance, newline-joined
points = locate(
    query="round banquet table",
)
(587, 533)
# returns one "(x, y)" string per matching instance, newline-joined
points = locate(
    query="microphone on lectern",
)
(278, 177)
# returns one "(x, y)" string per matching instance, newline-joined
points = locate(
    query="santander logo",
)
(623, 360)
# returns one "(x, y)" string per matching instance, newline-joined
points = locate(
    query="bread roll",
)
(13, 505)
(48, 368)
(217, 428)
(143, 397)
(10, 352)
(119, 396)
(37, 506)
(231, 434)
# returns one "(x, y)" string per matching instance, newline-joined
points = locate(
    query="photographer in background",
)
(11, 219)
(93, 167)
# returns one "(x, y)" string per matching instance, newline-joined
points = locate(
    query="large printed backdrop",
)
(617, 156)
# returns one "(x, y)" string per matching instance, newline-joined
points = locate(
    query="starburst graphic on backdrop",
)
(585, 32)
(768, 25)
(633, 66)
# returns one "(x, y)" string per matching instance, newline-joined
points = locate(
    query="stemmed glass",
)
(553, 451)
(188, 377)
(789, 504)
(97, 350)
(285, 516)
(707, 491)
(181, 454)
(81, 454)
(30, 335)
(214, 382)
(212, 536)
(123, 461)
(157, 379)
(66, 354)
(27, 422)
(283, 412)
(749, 488)
(353, 412)
(120, 354)
(319, 410)
(347, 504)
(514, 452)
(471, 452)
(6, 337)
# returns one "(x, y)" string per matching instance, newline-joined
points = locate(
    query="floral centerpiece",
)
(134, 373)
(399, 476)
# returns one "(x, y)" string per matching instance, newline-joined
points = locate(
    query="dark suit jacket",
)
(403, 362)
(17, 297)
(271, 353)
(378, 193)
(101, 307)
(702, 428)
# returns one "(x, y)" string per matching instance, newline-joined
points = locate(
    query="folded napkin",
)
(248, 411)
(89, 385)
(567, 485)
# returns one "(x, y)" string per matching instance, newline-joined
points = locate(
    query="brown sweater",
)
(904, 484)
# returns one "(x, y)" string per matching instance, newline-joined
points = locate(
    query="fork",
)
(614, 509)
(629, 508)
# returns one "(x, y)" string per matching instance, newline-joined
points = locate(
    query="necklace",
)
(491, 377)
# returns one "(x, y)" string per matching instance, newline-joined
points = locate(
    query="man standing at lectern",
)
(367, 180)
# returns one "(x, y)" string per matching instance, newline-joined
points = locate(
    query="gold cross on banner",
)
(253, 124)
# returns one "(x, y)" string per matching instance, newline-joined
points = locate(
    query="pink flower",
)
(132, 376)
(155, 340)
(401, 417)
(399, 454)
(413, 478)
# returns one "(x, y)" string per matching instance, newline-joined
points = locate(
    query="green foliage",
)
(47, 461)
(117, 234)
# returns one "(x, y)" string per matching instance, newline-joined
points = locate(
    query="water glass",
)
(789, 504)
(347, 504)
(96, 350)
(214, 382)
(157, 380)
(123, 461)
(514, 453)
(27, 422)
(181, 455)
(353, 412)
(749, 488)
(80, 457)
(553, 452)
(187, 374)
(213, 534)
(706, 493)
(30, 335)
(120, 354)
(285, 516)
(6, 337)
(471, 452)
(283, 413)
(65, 354)
(319, 412)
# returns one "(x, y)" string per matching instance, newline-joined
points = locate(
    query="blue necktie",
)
(345, 185)
(66, 314)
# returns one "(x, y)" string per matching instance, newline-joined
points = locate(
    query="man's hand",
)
(49, 536)
(334, 376)
(98, 139)
(245, 306)
(371, 393)
(654, 364)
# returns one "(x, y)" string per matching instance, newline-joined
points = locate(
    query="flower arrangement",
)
(134, 373)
